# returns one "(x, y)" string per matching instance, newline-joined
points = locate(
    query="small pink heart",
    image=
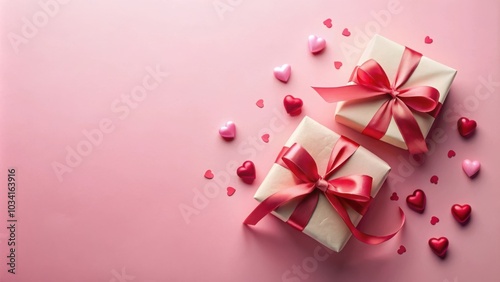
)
(230, 191)
(283, 73)
(337, 64)
(346, 32)
(260, 103)
(434, 220)
(428, 40)
(328, 23)
(451, 154)
(265, 138)
(209, 174)
(394, 196)
(316, 44)
(471, 168)
(228, 131)
(434, 179)
(401, 250)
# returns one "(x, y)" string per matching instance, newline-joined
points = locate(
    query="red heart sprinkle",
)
(451, 154)
(209, 174)
(265, 138)
(394, 196)
(466, 127)
(416, 201)
(434, 220)
(230, 191)
(434, 179)
(246, 172)
(461, 212)
(439, 245)
(260, 103)
(328, 23)
(346, 32)
(401, 250)
(293, 106)
(428, 40)
(337, 64)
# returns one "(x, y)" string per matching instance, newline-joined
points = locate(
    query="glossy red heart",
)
(293, 106)
(461, 212)
(439, 245)
(246, 172)
(466, 127)
(416, 201)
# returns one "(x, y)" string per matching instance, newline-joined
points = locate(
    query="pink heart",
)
(471, 168)
(283, 73)
(434, 179)
(346, 32)
(260, 103)
(209, 174)
(401, 250)
(328, 23)
(230, 191)
(434, 220)
(337, 64)
(228, 131)
(428, 40)
(316, 44)
(265, 138)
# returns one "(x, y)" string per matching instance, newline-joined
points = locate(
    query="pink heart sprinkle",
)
(209, 174)
(451, 154)
(265, 138)
(471, 168)
(228, 131)
(394, 196)
(434, 179)
(337, 64)
(316, 44)
(328, 23)
(428, 40)
(434, 220)
(260, 103)
(230, 191)
(283, 73)
(401, 250)
(346, 32)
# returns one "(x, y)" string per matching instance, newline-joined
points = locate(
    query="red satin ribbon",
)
(371, 81)
(352, 190)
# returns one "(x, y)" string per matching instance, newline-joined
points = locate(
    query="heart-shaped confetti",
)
(439, 245)
(265, 138)
(316, 44)
(337, 64)
(401, 250)
(246, 172)
(471, 168)
(230, 191)
(434, 220)
(260, 103)
(346, 32)
(451, 154)
(208, 174)
(293, 106)
(466, 127)
(417, 201)
(228, 131)
(428, 40)
(328, 23)
(461, 212)
(434, 179)
(394, 196)
(283, 73)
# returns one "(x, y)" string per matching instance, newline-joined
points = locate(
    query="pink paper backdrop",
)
(68, 69)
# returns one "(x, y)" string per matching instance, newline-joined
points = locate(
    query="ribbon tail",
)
(409, 128)
(363, 237)
(276, 200)
(377, 127)
(347, 92)
(304, 210)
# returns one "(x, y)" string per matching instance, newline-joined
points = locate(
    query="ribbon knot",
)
(322, 184)
(371, 81)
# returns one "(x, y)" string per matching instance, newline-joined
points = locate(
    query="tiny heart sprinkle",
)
(337, 64)
(417, 201)
(346, 32)
(265, 138)
(209, 174)
(466, 127)
(428, 40)
(439, 245)
(434, 220)
(228, 131)
(293, 106)
(461, 212)
(246, 172)
(316, 44)
(260, 103)
(328, 23)
(394, 196)
(471, 168)
(401, 250)
(451, 154)
(283, 73)
(230, 191)
(434, 179)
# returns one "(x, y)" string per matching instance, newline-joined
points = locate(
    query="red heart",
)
(439, 245)
(265, 138)
(246, 172)
(461, 212)
(230, 191)
(451, 154)
(394, 196)
(337, 64)
(209, 174)
(434, 179)
(416, 201)
(401, 250)
(328, 23)
(260, 103)
(346, 32)
(434, 220)
(293, 106)
(428, 40)
(466, 127)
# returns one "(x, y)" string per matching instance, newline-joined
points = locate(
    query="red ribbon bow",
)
(352, 190)
(371, 81)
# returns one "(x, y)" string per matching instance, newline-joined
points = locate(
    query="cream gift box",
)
(358, 113)
(325, 225)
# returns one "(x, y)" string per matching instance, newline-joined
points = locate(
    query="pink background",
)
(116, 216)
